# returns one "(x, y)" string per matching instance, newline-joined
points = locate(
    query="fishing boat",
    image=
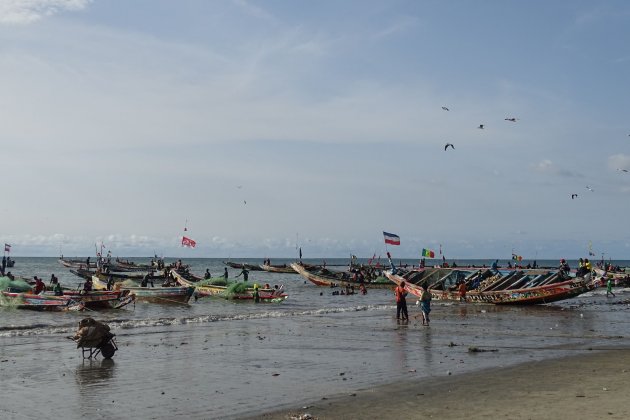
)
(619, 278)
(178, 294)
(99, 299)
(117, 276)
(132, 266)
(323, 277)
(287, 269)
(516, 287)
(76, 263)
(39, 302)
(250, 267)
(227, 291)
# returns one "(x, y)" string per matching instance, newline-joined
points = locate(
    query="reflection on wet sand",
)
(91, 373)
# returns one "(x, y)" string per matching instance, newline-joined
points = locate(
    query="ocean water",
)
(221, 359)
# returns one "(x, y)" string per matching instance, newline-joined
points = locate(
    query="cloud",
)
(619, 161)
(29, 11)
(547, 167)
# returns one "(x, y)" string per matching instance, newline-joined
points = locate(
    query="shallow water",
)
(218, 359)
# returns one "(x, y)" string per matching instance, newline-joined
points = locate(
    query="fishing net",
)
(16, 285)
(213, 282)
(235, 288)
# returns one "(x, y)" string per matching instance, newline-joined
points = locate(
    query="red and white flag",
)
(7, 248)
(187, 242)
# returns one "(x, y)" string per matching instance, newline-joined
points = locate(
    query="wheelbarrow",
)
(94, 338)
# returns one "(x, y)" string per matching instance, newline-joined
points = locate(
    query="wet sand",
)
(587, 386)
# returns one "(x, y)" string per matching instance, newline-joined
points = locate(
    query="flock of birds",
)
(481, 127)
(514, 119)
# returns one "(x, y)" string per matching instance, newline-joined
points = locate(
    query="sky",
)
(266, 126)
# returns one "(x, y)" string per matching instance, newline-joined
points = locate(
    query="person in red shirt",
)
(401, 301)
(462, 291)
(39, 286)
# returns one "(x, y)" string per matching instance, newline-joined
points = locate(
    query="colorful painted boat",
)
(39, 302)
(178, 294)
(264, 294)
(517, 287)
(326, 278)
(99, 299)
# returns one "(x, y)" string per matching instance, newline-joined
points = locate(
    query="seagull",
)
(445, 108)
(244, 202)
(239, 186)
(448, 144)
(480, 126)
(589, 188)
(622, 170)
(512, 119)
(573, 196)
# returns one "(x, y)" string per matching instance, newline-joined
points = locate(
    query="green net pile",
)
(219, 281)
(16, 285)
(235, 288)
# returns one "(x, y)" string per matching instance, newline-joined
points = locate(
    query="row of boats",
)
(129, 283)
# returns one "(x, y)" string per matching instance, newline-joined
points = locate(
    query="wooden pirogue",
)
(326, 278)
(202, 290)
(517, 287)
(39, 302)
(178, 294)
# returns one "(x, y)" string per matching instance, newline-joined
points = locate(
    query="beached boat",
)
(517, 287)
(323, 277)
(228, 291)
(39, 302)
(619, 278)
(178, 294)
(99, 299)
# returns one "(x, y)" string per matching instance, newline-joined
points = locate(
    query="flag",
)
(187, 242)
(440, 249)
(7, 248)
(428, 253)
(391, 239)
(300, 252)
(517, 257)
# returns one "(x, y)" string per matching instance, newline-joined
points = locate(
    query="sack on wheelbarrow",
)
(91, 333)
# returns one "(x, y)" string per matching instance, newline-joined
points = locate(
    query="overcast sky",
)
(260, 125)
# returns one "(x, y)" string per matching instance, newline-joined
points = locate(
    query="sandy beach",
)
(587, 386)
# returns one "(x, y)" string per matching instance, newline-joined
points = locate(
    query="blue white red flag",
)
(391, 239)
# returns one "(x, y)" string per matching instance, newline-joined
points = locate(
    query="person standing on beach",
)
(225, 273)
(462, 291)
(425, 304)
(609, 287)
(401, 301)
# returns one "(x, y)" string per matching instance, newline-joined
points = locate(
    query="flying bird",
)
(447, 145)
(445, 108)
(589, 188)
(480, 126)
(622, 170)
(244, 202)
(239, 186)
(573, 196)
(512, 119)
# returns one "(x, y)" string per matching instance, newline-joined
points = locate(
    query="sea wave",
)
(130, 324)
